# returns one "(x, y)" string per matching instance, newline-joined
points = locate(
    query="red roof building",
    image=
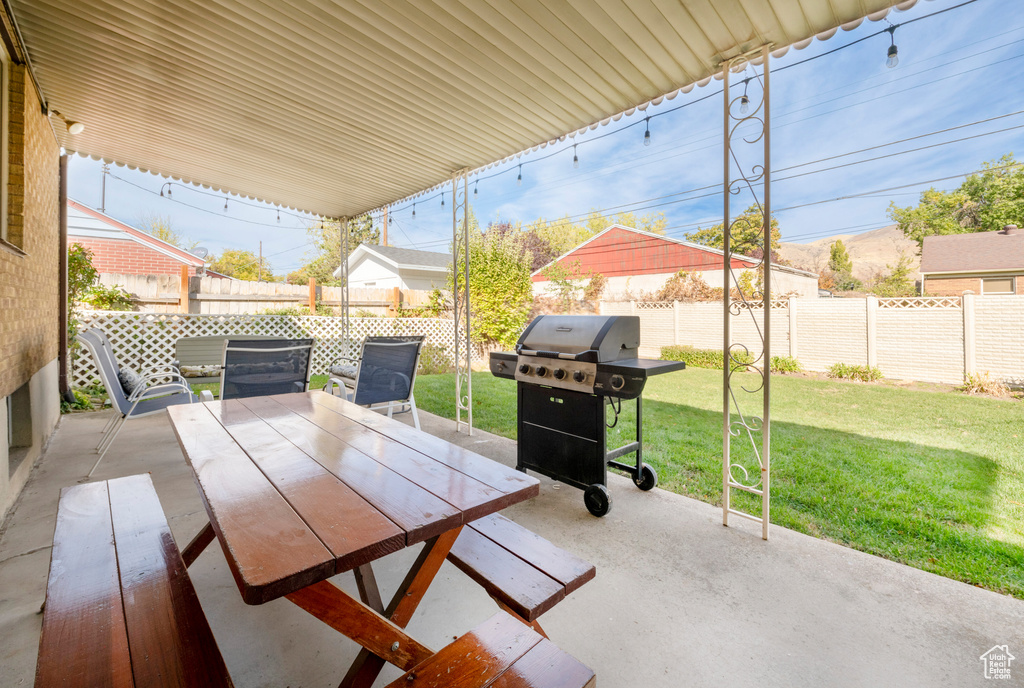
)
(118, 248)
(635, 261)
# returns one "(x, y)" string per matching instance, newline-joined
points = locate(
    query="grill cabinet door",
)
(561, 434)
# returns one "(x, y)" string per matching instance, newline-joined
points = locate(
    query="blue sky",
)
(956, 68)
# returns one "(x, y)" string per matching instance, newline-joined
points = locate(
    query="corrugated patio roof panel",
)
(340, 107)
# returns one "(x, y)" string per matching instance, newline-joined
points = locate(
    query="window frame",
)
(1010, 278)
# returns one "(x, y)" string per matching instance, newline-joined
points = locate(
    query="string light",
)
(442, 199)
(225, 204)
(744, 100)
(575, 159)
(892, 59)
(414, 211)
(279, 216)
(647, 131)
(168, 185)
(519, 179)
(476, 187)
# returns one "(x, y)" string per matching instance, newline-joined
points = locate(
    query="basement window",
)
(19, 427)
(997, 285)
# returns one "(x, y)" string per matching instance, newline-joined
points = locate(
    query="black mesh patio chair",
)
(384, 374)
(131, 395)
(257, 368)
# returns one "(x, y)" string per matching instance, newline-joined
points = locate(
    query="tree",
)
(326, 238)
(529, 241)
(839, 260)
(898, 282)
(241, 264)
(500, 288)
(159, 227)
(985, 202)
(745, 235)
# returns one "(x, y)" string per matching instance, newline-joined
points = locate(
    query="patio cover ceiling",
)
(338, 107)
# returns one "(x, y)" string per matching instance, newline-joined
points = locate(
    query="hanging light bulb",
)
(575, 159)
(744, 100)
(414, 211)
(476, 188)
(166, 185)
(647, 131)
(225, 204)
(519, 179)
(442, 199)
(278, 216)
(892, 59)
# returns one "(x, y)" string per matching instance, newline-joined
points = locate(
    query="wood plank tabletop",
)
(300, 487)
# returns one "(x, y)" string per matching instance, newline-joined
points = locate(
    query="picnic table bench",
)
(521, 571)
(120, 608)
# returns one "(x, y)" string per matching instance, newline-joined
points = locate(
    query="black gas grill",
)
(570, 369)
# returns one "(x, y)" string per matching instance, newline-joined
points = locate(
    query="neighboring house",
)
(121, 249)
(635, 261)
(384, 267)
(982, 262)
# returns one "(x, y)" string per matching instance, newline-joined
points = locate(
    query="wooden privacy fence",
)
(146, 340)
(216, 295)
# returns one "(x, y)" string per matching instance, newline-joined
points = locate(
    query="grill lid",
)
(598, 338)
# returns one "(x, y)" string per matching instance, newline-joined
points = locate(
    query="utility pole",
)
(385, 225)
(259, 268)
(103, 194)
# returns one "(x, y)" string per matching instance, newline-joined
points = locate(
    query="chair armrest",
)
(157, 391)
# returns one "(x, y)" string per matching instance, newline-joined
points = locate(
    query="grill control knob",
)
(542, 371)
(617, 382)
(559, 374)
(579, 376)
(524, 368)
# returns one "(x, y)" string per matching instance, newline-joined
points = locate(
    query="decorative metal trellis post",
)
(460, 297)
(747, 122)
(345, 344)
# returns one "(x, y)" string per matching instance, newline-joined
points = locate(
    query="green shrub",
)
(862, 373)
(785, 364)
(82, 402)
(113, 298)
(702, 358)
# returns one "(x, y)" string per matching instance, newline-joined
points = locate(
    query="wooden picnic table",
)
(301, 487)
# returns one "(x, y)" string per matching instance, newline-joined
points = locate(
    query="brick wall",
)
(126, 257)
(951, 286)
(29, 283)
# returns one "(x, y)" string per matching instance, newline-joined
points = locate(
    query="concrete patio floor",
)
(678, 600)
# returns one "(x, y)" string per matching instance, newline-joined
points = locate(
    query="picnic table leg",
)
(203, 538)
(367, 666)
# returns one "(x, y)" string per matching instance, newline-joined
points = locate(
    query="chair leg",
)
(415, 415)
(109, 437)
(391, 409)
(104, 452)
(106, 434)
(110, 422)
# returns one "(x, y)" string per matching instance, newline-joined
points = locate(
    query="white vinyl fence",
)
(931, 339)
(146, 340)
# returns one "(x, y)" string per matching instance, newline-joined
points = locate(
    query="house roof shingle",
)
(407, 257)
(977, 252)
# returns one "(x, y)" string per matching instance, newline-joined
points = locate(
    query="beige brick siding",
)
(999, 338)
(124, 257)
(951, 286)
(29, 284)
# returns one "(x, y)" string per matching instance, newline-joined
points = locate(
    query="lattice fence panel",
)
(921, 302)
(146, 340)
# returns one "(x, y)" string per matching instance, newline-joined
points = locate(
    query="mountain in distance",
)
(870, 252)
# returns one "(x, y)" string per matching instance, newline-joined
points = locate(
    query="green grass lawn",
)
(930, 479)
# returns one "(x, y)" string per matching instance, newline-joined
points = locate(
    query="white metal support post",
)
(345, 344)
(460, 296)
(746, 465)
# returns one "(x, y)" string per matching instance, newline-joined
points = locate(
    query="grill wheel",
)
(598, 499)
